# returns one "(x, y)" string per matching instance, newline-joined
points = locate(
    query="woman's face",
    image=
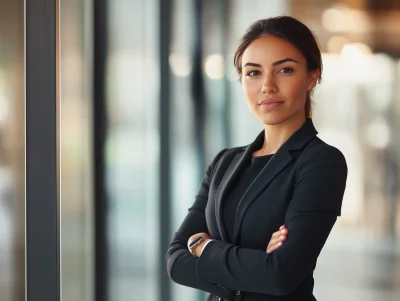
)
(275, 80)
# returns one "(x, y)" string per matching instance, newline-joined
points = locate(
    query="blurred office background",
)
(149, 95)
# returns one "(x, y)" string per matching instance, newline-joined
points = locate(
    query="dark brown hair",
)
(290, 29)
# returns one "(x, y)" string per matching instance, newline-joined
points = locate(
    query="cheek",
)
(250, 90)
(297, 90)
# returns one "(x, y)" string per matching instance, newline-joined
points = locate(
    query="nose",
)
(269, 85)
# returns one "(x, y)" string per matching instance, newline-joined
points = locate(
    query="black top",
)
(253, 168)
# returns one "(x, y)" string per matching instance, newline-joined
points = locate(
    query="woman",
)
(286, 180)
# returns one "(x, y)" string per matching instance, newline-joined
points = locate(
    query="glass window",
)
(184, 152)
(132, 149)
(77, 235)
(12, 152)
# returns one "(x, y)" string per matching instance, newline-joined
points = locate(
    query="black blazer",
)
(301, 187)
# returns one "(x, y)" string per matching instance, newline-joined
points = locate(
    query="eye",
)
(253, 73)
(286, 70)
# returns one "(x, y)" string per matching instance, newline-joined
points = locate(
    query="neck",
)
(278, 134)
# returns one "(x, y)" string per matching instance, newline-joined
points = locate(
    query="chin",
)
(279, 117)
(273, 119)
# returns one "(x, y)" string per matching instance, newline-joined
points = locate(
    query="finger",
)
(272, 248)
(277, 236)
(280, 232)
(284, 231)
(277, 246)
(275, 240)
(278, 239)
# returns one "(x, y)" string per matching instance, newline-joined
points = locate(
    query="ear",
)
(313, 77)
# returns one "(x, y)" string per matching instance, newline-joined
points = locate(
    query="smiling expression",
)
(275, 80)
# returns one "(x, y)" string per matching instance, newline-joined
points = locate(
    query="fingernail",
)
(283, 231)
(281, 237)
(279, 243)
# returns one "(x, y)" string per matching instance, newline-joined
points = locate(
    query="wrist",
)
(197, 242)
(193, 244)
(201, 247)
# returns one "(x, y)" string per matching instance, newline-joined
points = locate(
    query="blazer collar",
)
(295, 142)
(279, 161)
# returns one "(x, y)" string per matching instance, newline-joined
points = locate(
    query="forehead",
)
(269, 49)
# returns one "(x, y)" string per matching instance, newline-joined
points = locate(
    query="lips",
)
(270, 103)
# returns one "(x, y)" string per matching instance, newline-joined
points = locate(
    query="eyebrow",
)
(273, 64)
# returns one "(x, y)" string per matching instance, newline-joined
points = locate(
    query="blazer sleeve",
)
(311, 214)
(181, 265)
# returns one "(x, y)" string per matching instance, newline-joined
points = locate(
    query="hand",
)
(199, 248)
(277, 239)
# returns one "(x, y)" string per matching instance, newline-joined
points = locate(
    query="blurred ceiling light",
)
(355, 57)
(336, 43)
(363, 48)
(180, 64)
(355, 50)
(378, 133)
(358, 21)
(340, 18)
(214, 66)
(334, 19)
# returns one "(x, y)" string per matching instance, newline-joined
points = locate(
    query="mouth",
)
(270, 103)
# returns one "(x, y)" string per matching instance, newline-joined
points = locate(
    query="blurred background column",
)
(77, 150)
(12, 152)
(132, 150)
(42, 103)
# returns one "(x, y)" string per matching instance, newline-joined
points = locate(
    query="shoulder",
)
(317, 149)
(320, 155)
(321, 175)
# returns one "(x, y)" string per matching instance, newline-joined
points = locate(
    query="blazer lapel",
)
(278, 162)
(234, 170)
